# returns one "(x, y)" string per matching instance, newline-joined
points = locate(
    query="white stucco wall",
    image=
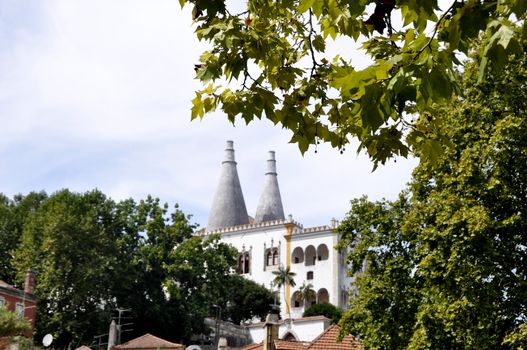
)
(303, 329)
(328, 274)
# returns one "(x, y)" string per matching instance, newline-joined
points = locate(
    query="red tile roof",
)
(251, 347)
(328, 341)
(290, 345)
(279, 345)
(149, 341)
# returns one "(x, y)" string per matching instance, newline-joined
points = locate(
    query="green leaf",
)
(304, 5)
(319, 43)
(197, 107)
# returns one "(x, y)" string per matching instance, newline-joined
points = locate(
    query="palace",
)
(270, 240)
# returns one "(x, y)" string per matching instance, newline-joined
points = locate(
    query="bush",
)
(324, 309)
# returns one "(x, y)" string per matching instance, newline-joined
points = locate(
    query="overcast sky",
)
(96, 94)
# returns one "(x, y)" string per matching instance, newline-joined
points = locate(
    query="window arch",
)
(247, 263)
(275, 257)
(322, 252)
(311, 300)
(296, 299)
(240, 264)
(311, 255)
(244, 263)
(272, 257)
(269, 258)
(297, 255)
(323, 296)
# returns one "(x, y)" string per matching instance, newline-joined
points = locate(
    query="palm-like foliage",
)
(284, 277)
(305, 292)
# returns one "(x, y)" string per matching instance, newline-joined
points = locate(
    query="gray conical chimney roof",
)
(228, 207)
(270, 204)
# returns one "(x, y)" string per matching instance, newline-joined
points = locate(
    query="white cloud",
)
(97, 94)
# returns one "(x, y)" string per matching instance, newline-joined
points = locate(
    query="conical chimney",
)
(228, 207)
(270, 204)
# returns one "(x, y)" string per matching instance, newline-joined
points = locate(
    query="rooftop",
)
(149, 341)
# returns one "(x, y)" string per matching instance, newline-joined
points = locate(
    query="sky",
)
(97, 94)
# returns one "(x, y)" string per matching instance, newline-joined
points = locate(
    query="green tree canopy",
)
(444, 266)
(11, 324)
(270, 59)
(246, 299)
(92, 255)
(13, 213)
(324, 309)
(67, 242)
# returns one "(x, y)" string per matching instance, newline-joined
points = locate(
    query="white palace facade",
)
(270, 240)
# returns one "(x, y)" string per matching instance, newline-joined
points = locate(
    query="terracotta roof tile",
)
(290, 345)
(328, 341)
(251, 347)
(149, 341)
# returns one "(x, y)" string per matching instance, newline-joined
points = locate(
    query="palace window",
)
(275, 257)
(309, 275)
(272, 257)
(244, 263)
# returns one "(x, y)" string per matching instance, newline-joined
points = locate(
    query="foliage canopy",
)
(11, 324)
(92, 255)
(324, 309)
(270, 60)
(444, 265)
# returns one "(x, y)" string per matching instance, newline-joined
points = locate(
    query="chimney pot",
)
(29, 282)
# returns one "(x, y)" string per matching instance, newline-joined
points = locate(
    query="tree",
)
(246, 299)
(93, 255)
(145, 252)
(11, 324)
(66, 241)
(285, 277)
(13, 214)
(306, 292)
(448, 260)
(324, 309)
(196, 276)
(270, 59)
(383, 258)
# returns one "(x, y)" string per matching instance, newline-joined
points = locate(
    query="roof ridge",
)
(321, 335)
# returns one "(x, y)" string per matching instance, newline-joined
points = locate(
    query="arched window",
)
(322, 252)
(247, 264)
(269, 258)
(311, 300)
(323, 296)
(244, 263)
(297, 300)
(275, 257)
(298, 255)
(240, 264)
(309, 275)
(311, 255)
